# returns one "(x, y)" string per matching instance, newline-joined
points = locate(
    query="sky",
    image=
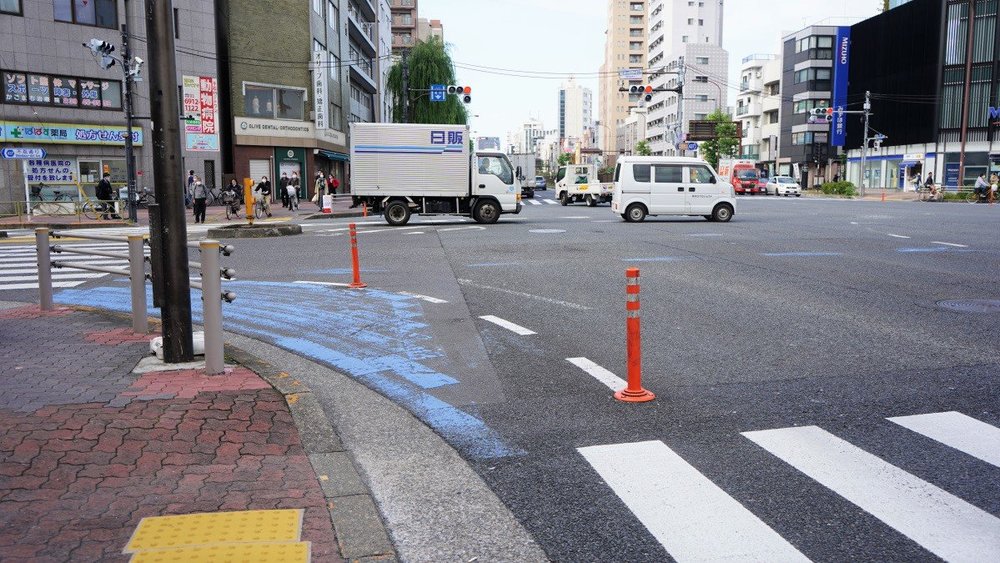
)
(538, 44)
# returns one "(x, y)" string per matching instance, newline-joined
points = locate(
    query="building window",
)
(334, 68)
(62, 91)
(100, 13)
(701, 22)
(332, 17)
(805, 106)
(684, 39)
(690, 21)
(274, 102)
(701, 60)
(10, 7)
(318, 6)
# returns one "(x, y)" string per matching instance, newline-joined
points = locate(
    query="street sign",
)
(630, 74)
(24, 154)
(692, 146)
(439, 93)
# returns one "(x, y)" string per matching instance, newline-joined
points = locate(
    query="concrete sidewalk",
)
(90, 445)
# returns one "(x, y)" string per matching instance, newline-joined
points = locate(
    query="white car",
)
(784, 185)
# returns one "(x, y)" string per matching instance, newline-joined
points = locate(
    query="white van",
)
(670, 185)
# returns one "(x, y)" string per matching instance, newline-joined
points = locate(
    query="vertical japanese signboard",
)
(841, 66)
(319, 90)
(201, 113)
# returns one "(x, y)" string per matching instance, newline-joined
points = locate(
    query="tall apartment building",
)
(404, 24)
(758, 107)
(684, 35)
(576, 106)
(57, 97)
(384, 60)
(429, 28)
(625, 47)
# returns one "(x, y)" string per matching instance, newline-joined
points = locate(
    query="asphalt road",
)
(778, 346)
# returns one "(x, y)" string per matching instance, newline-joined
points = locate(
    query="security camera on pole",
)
(132, 71)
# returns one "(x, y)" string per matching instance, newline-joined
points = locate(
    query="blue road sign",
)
(438, 93)
(22, 153)
(692, 146)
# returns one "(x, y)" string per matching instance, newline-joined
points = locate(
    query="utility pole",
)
(167, 164)
(406, 86)
(680, 106)
(133, 212)
(864, 148)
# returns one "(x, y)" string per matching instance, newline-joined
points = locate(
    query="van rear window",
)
(640, 172)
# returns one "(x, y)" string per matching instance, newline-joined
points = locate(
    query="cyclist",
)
(982, 187)
(106, 194)
(264, 188)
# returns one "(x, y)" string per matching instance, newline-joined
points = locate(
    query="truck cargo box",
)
(409, 160)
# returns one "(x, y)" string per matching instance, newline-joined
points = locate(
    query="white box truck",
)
(401, 169)
(579, 182)
(524, 169)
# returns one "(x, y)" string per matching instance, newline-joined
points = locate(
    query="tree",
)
(726, 144)
(429, 63)
(565, 158)
(642, 149)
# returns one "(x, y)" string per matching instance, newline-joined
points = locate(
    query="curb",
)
(337, 215)
(361, 533)
(262, 230)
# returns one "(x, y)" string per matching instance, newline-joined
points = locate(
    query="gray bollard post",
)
(137, 275)
(211, 299)
(44, 270)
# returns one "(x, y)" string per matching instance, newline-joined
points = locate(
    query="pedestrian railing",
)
(210, 286)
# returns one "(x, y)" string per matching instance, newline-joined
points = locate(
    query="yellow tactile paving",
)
(234, 552)
(214, 528)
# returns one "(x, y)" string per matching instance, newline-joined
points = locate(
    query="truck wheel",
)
(591, 202)
(487, 212)
(397, 213)
(563, 199)
(635, 213)
(722, 213)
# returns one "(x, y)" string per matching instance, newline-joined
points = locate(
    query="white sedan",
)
(784, 185)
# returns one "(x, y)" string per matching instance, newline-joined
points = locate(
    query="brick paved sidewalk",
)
(88, 448)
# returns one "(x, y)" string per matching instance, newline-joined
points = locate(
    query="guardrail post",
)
(633, 393)
(211, 297)
(44, 270)
(137, 275)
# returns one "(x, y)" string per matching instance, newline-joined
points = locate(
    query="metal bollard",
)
(633, 392)
(357, 283)
(137, 277)
(44, 270)
(211, 297)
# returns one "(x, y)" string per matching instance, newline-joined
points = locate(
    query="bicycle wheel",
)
(258, 209)
(90, 211)
(972, 197)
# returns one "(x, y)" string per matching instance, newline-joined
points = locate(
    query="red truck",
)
(742, 174)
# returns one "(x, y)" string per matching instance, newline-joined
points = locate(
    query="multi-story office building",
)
(757, 105)
(576, 105)
(57, 96)
(429, 28)
(807, 83)
(384, 60)
(624, 48)
(684, 36)
(632, 130)
(294, 116)
(404, 24)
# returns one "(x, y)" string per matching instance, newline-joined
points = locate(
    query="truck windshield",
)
(747, 174)
(497, 166)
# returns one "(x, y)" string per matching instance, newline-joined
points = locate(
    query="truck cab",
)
(579, 182)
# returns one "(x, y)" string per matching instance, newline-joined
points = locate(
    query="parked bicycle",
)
(55, 206)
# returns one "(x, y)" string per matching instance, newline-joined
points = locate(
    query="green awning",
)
(330, 155)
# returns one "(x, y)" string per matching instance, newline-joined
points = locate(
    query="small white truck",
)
(579, 182)
(401, 169)
(524, 169)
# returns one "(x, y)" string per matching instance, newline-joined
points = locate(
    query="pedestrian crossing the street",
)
(19, 266)
(695, 519)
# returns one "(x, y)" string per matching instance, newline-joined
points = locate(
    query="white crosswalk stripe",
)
(695, 520)
(19, 265)
(550, 201)
(533, 202)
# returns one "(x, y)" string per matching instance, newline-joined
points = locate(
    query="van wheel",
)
(563, 199)
(722, 213)
(487, 212)
(635, 213)
(591, 202)
(397, 213)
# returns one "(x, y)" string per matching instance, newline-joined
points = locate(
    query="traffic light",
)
(463, 92)
(646, 92)
(104, 49)
(821, 115)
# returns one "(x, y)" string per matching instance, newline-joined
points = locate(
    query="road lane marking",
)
(469, 228)
(774, 254)
(515, 328)
(661, 259)
(958, 431)
(331, 284)
(897, 236)
(533, 202)
(687, 513)
(493, 264)
(415, 233)
(426, 298)
(578, 217)
(12, 286)
(609, 379)
(470, 283)
(942, 523)
(546, 231)
(949, 244)
(550, 201)
(705, 235)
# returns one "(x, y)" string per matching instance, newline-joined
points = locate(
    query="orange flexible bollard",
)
(883, 194)
(364, 209)
(633, 392)
(357, 283)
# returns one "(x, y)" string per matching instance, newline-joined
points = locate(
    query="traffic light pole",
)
(864, 149)
(167, 166)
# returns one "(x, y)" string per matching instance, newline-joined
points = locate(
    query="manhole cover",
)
(972, 305)
(547, 231)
